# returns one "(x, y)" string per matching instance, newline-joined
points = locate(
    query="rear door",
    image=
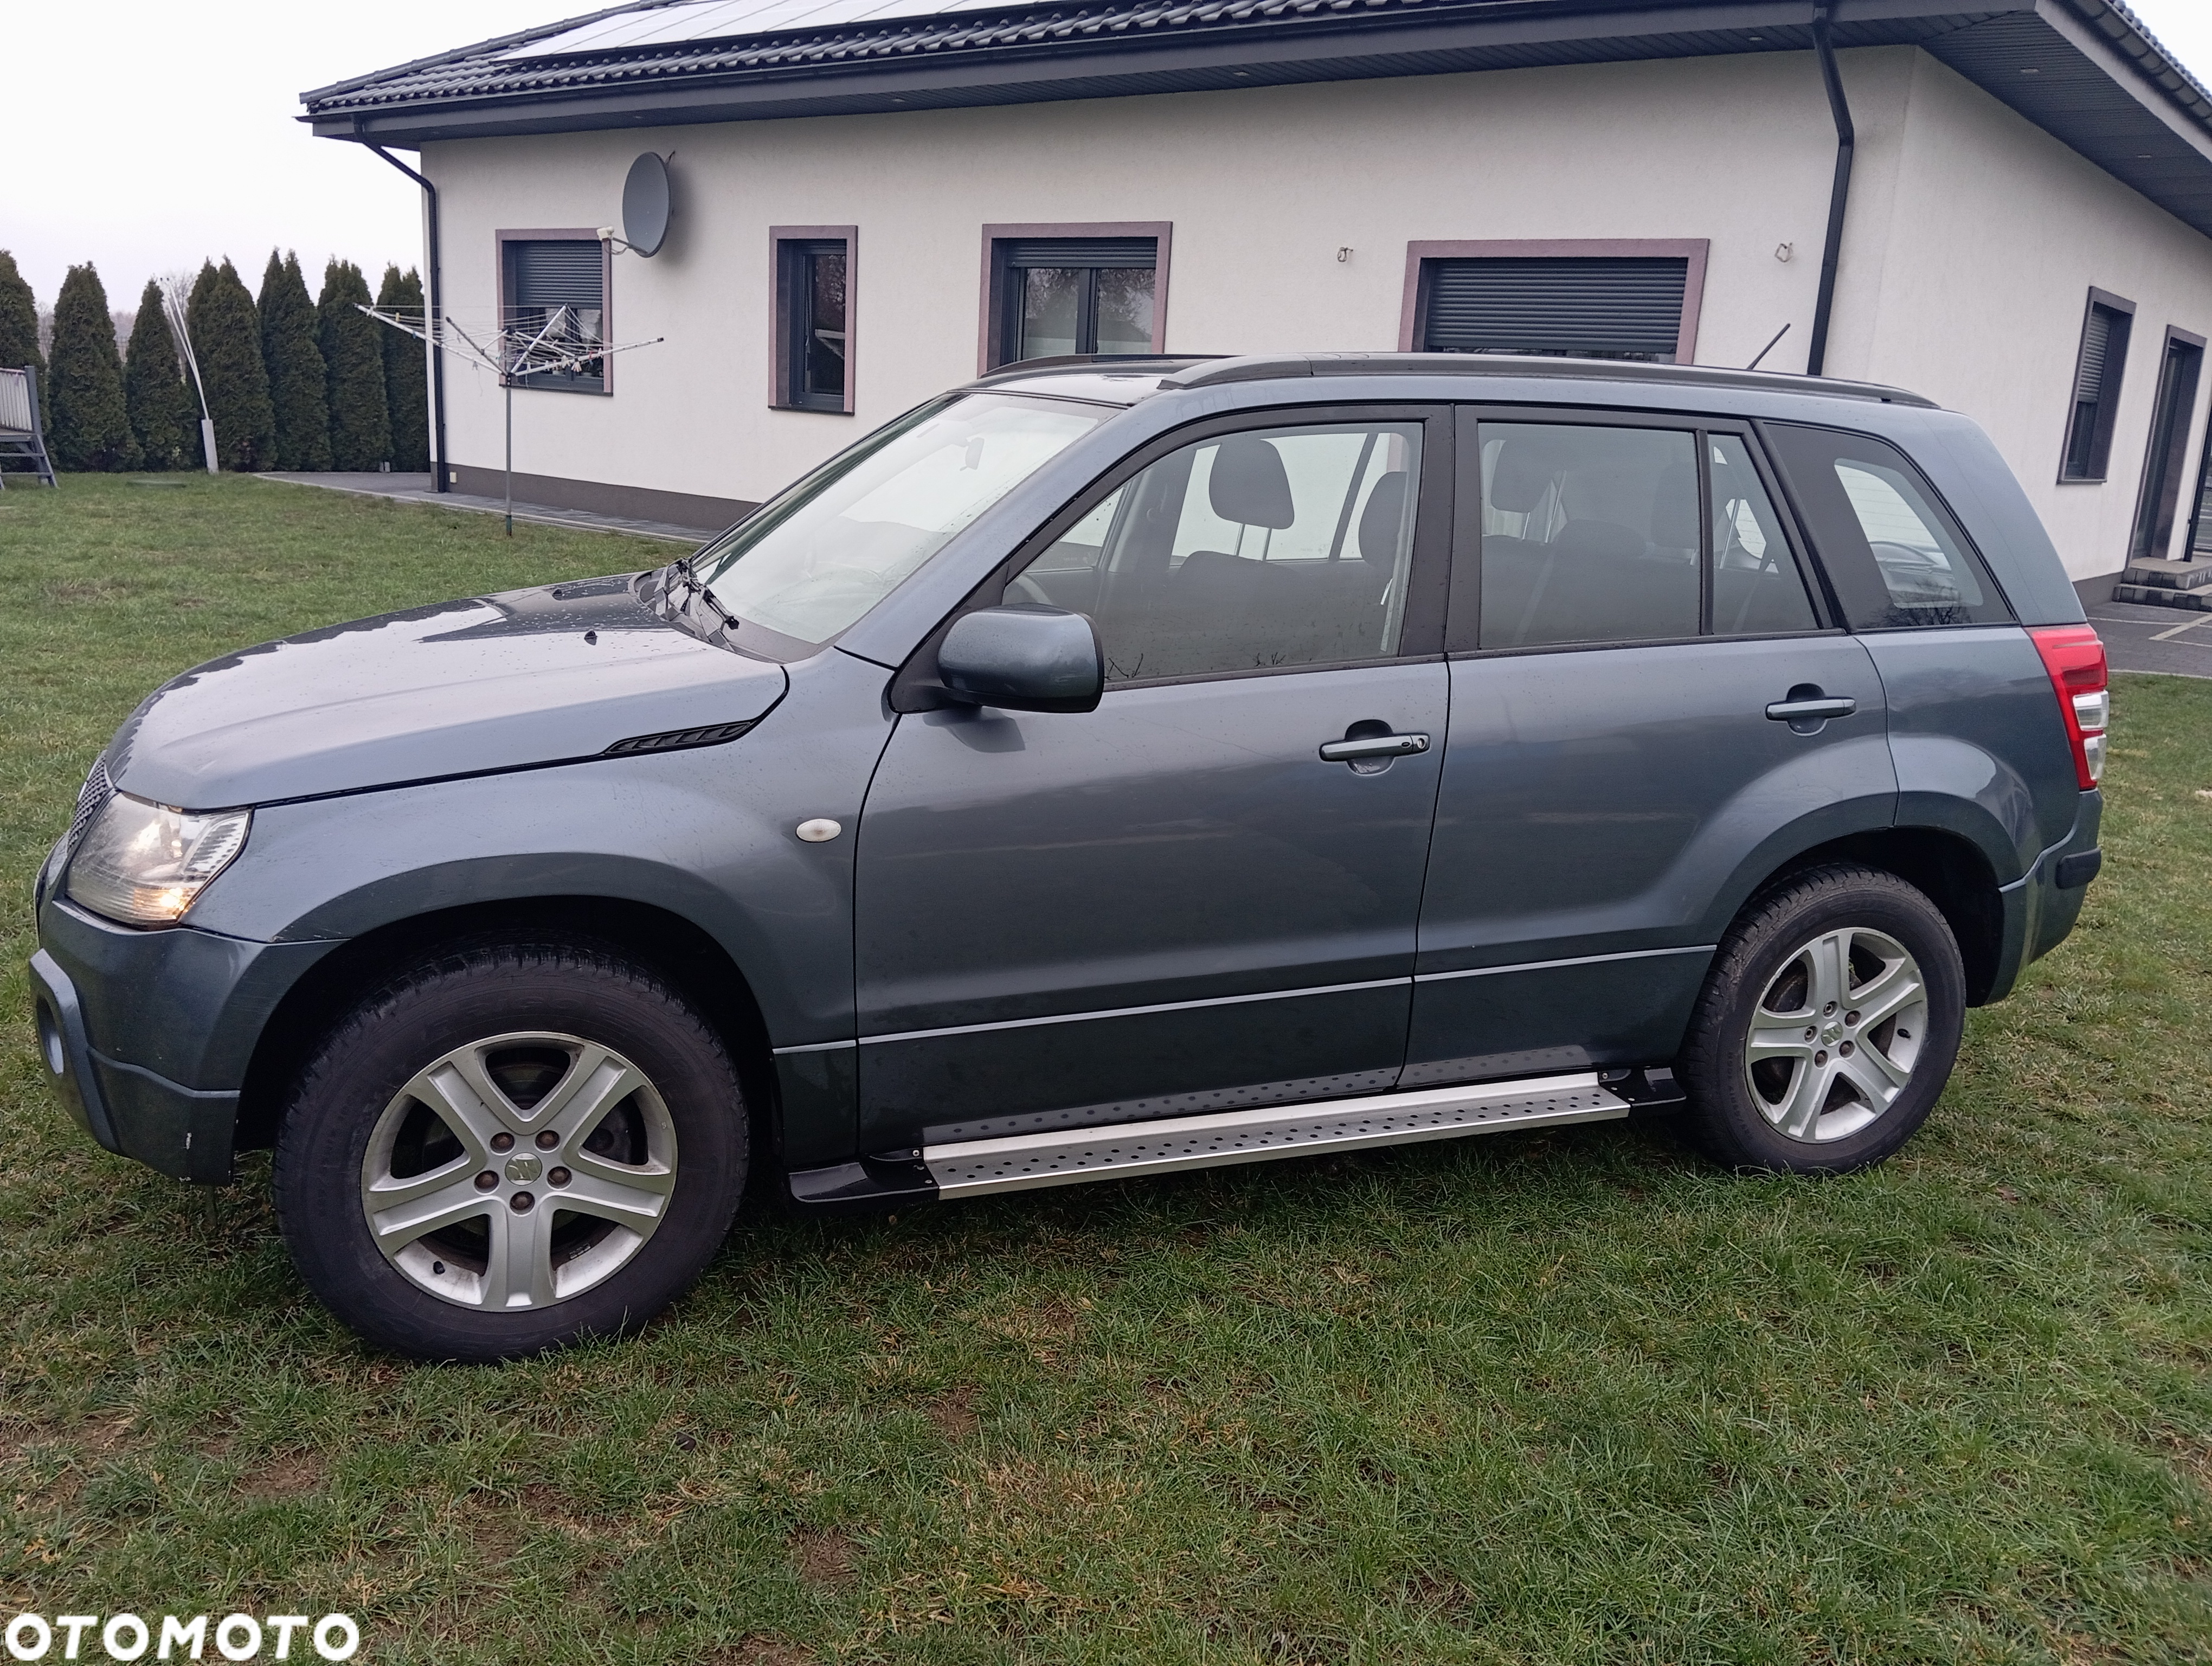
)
(1631, 628)
(1175, 903)
(1980, 745)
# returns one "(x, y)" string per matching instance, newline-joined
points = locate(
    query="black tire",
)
(1737, 1105)
(690, 1112)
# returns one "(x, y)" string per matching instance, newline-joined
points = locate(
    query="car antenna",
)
(1769, 348)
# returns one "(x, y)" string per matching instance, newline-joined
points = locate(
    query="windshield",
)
(810, 563)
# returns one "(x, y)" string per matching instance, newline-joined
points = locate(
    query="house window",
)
(814, 317)
(2097, 375)
(1561, 305)
(1051, 295)
(554, 305)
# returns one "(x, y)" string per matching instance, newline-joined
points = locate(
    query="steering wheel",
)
(1028, 589)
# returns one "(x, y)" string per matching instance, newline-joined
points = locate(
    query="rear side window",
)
(1589, 534)
(1595, 533)
(1896, 557)
(1756, 591)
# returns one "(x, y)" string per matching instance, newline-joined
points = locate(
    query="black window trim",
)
(1982, 564)
(2109, 391)
(1001, 329)
(504, 273)
(788, 248)
(1420, 641)
(1468, 527)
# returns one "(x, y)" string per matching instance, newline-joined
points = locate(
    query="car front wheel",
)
(1827, 1026)
(510, 1147)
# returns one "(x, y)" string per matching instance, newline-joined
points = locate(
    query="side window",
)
(1757, 588)
(1894, 555)
(1274, 548)
(1589, 534)
(814, 348)
(2099, 368)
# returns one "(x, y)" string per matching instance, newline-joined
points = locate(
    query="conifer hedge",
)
(297, 396)
(19, 322)
(226, 340)
(353, 358)
(165, 417)
(406, 378)
(89, 428)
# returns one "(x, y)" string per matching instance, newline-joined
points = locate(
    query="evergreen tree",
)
(164, 415)
(361, 427)
(18, 327)
(90, 427)
(295, 367)
(226, 341)
(406, 381)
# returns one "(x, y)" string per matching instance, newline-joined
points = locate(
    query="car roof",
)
(1120, 380)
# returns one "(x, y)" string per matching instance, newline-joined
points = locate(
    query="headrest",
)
(1380, 521)
(1598, 538)
(1525, 467)
(1247, 485)
(1675, 508)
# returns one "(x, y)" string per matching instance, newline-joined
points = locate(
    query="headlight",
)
(144, 864)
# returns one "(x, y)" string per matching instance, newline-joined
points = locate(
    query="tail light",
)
(2076, 659)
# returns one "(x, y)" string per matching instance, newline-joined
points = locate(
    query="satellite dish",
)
(645, 204)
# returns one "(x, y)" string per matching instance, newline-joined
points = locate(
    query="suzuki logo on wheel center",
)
(1834, 1032)
(521, 1170)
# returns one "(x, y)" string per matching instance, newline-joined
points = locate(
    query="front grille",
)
(90, 802)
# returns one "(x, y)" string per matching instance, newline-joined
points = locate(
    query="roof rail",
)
(1275, 367)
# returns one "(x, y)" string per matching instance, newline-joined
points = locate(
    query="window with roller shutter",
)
(1053, 296)
(1626, 307)
(556, 288)
(2097, 375)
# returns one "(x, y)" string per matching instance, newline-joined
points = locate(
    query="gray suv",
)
(1109, 768)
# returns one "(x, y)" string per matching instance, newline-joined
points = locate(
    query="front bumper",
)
(146, 1035)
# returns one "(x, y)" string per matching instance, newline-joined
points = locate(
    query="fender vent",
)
(675, 740)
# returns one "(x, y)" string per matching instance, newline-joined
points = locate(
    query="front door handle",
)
(1799, 711)
(1372, 746)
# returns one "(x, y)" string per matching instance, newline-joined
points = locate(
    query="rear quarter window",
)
(1896, 557)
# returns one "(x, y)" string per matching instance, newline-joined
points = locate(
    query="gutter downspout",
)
(1839, 193)
(441, 473)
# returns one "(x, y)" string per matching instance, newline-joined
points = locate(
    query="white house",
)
(875, 199)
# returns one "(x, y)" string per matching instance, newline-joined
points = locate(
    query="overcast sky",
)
(144, 137)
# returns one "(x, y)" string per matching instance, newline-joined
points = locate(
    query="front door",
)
(1173, 903)
(1644, 698)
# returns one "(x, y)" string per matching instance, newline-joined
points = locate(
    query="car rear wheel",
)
(509, 1148)
(1828, 1024)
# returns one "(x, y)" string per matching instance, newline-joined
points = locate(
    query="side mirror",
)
(1023, 658)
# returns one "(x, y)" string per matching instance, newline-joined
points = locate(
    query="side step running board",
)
(1067, 1156)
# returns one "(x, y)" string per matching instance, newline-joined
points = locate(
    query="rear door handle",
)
(1794, 711)
(1373, 745)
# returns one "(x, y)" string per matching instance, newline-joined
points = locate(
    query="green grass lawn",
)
(1572, 1397)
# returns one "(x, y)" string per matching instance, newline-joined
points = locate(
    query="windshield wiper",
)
(681, 568)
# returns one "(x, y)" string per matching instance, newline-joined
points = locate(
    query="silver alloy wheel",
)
(1836, 1035)
(519, 1170)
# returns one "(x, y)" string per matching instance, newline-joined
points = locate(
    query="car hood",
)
(531, 677)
